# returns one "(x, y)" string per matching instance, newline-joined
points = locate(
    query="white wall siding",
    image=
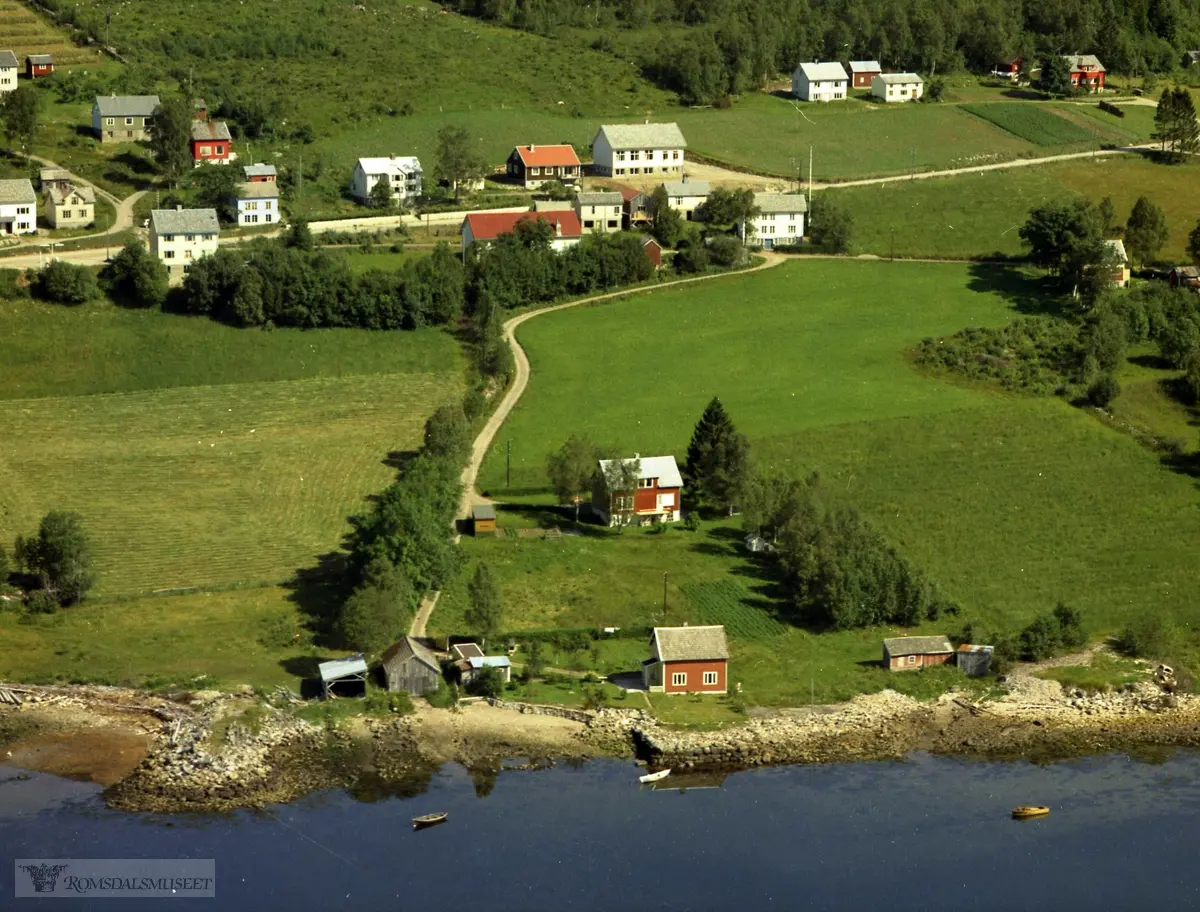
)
(8, 79)
(253, 212)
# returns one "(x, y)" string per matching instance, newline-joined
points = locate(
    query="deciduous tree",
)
(1146, 231)
(171, 136)
(485, 609)
(666, 224)
(620, 479)
(572, 470)
(61, 557)
(378, 610)
(1193, 246)
(21, 117)
(217, 187)
(458, 160)
(830, 226)
(716, 460)
(65, 283)
(135, 277)
(380, 195)
(446, 434)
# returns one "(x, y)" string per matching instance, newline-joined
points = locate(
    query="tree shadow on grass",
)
(550, 516)
(1027, 294)
(398, 459)
(318, 592)
(1151, 362)
(306, 669)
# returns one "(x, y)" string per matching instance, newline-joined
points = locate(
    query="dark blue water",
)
(928, 833)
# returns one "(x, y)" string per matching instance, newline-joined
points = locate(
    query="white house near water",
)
(403, 174)
(621, 150)
(181, 236)
(897, 87)
(258, 203)
(780, 221)
(820, 82)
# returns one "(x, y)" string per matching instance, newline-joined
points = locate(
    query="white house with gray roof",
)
(631, 150)
(779, 223)
(820, 82)
(68, 206)
(686, 196)
(18, 207)
(257, 203)
(123, 118)
(600, 211)
(180, 236)
(889, 87)
(8, 71)
(403, 173)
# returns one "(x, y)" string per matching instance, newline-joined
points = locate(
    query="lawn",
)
(1038, 125)
(1010, 503)
(201, 455)
(974, 215)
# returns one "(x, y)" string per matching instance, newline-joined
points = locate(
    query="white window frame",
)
(710, 679)
(910, 660)
(679, 679)
(646, 482)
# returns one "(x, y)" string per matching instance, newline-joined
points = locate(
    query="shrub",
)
(61, 282)
(1041, 639)
(691, 521)
(1070, 625)
(41, 602)
(726, 250)
(1103, 390)
(380, 702)
(594, 698)
(488, 683)
(1150, 636)
(278, 631)
(692, 259)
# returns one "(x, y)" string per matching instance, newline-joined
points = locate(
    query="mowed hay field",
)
(1011, 503)
(24, 32)
(973, 215)
(210, 483)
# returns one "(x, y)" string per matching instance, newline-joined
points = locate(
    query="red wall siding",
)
(863, 80)
(210, 144)
(645, 500)
(900, 663)
(695, 676)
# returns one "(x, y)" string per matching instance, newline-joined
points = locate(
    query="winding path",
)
(521, 380)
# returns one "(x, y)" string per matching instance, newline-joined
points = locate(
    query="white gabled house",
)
(257, 203)
(181, 236)
(601, 211)
(820, 82)
(18, 207)
(686, 196)
(68, 206)
(403, 174)
(889, 87)
(8, 71)
(779, 223)
(636, 149)
(123, 118)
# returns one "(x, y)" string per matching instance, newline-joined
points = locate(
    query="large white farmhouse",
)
(779, 223)
(403, 174)
(18, 207)
(621, 150)
(820, 82)
(8, 71)
(181, 236)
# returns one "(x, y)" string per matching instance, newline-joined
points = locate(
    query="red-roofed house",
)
(485, 227)
(536, 165)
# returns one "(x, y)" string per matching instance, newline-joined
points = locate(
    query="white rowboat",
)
(654, 777)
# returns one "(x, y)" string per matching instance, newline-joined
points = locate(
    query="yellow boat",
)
(1029, 811)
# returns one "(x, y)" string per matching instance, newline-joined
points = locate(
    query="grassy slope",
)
(1031, 501)
(978, 214)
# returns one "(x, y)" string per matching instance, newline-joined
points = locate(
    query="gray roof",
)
(258, 170)
(664, 468)
(483, 511)
(40, 59)
(900, 78)
(258, 190)
(18, 190)
(466, 650)
(926, 645)
(54, 174)
(643, 136)
(127, 105)
(184, 221)
(210, 129)
(781, 202)
(489, 662)
(686, 188)
(865, 66)
(823, 72)
(601, 198)
(58, 195)
(342, 668)
(1118, 249)
(409, 648)
(678, 644)
(8, 59)
(1078, 61)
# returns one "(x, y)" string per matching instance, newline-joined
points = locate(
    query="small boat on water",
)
(654, 777)
(428, 820)
(1029, 811)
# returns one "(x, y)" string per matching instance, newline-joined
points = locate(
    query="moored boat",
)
(428, 820)
(1028, 811)
(654, 777)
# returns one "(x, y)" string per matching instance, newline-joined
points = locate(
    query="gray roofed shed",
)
(18, 190)
(412, 666)
(466, 650)
(483, 511)
(127, 105)
(41, 59)
(681, 644)
(351, 668)
(184, 221)
(258, 170)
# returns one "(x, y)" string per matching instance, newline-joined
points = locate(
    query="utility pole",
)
(808, 200)
(664, 597)
(913, 171)
(508, 463)
(300, 178)
(893, 245)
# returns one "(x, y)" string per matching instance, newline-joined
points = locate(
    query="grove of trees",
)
(58, 559)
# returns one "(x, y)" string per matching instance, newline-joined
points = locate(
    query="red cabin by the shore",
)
(687, 660)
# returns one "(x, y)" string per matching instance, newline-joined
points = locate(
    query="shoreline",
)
(216, 752)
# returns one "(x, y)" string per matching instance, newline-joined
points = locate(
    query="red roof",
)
(629, 193)
(548, 156)
(486, 226)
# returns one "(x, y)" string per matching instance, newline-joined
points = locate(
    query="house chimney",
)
(532, 147)
(178, 207)
(393, 156)
(558, 227)
(637, 455)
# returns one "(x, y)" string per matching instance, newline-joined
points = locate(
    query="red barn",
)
(653, 250)
(211, 142)
(654, 498)
(687, 660)
(39, 65)
(1087, 71)
(862, 72)
(911, 653)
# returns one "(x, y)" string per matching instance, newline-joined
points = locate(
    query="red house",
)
(654, 499)
(1010, 69)
(39, 65)
(911, 653)
(862, 72)
(1087, 72)
(211, 142)
(687, 660)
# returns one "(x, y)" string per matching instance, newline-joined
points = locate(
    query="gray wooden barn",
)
(411, 666)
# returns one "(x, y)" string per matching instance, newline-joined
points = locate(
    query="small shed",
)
(653, 250)
(483, 519)
(476, 664)
(911, 653)
(37, 65)
(411, 666)
(351, 668)
(974, 661)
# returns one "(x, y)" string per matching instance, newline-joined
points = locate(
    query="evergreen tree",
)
(666, 224)
(1146, 231)
(380, 195)
(716, 460)
(485, 613)
(1193, 246)
(171, 136)
(1055, 77)
(1175, 125)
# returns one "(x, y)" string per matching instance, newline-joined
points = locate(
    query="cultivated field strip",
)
(212, 485)
(23, 32)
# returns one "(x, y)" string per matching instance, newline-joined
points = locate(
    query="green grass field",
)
(201, 455)
(1010, 503)
(973, 215)
(1038, 125)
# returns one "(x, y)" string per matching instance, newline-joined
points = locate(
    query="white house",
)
(779, 223)
(820, 82)
(403, 174)
(258, 203)
(897, 86)
(68, 206)
(635, 149)
(600, 211)
(181, 236)
(8, 71)
(123, 118)
(18, 207)
(686, 196)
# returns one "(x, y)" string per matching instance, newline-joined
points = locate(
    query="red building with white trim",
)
(655, 499)
(38, 65)
(211, 142)
(1087, 72)
(687, 660)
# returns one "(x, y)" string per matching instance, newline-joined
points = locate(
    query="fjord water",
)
(926, 833)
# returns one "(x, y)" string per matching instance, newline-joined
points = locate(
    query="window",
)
(623, 502)
(589, 224)
(635, 156)
(612, 223)
(220, 150)
(911, 660)
(168, 254)
(791, 229)
(674, 156)
(267, 217)
(535, 171)
(649, 155)
(646, 482)
(206, 237)
(267, 204)
(252, 219)
(110, 121)
(22, 210)
(187, 268)
(710, 679)
(129, 121)
(679, 679)
(189, 238)
(635, 170)
(187, 254)
(620, 171)
(251, 206)
(168, 238)
(620, 156)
